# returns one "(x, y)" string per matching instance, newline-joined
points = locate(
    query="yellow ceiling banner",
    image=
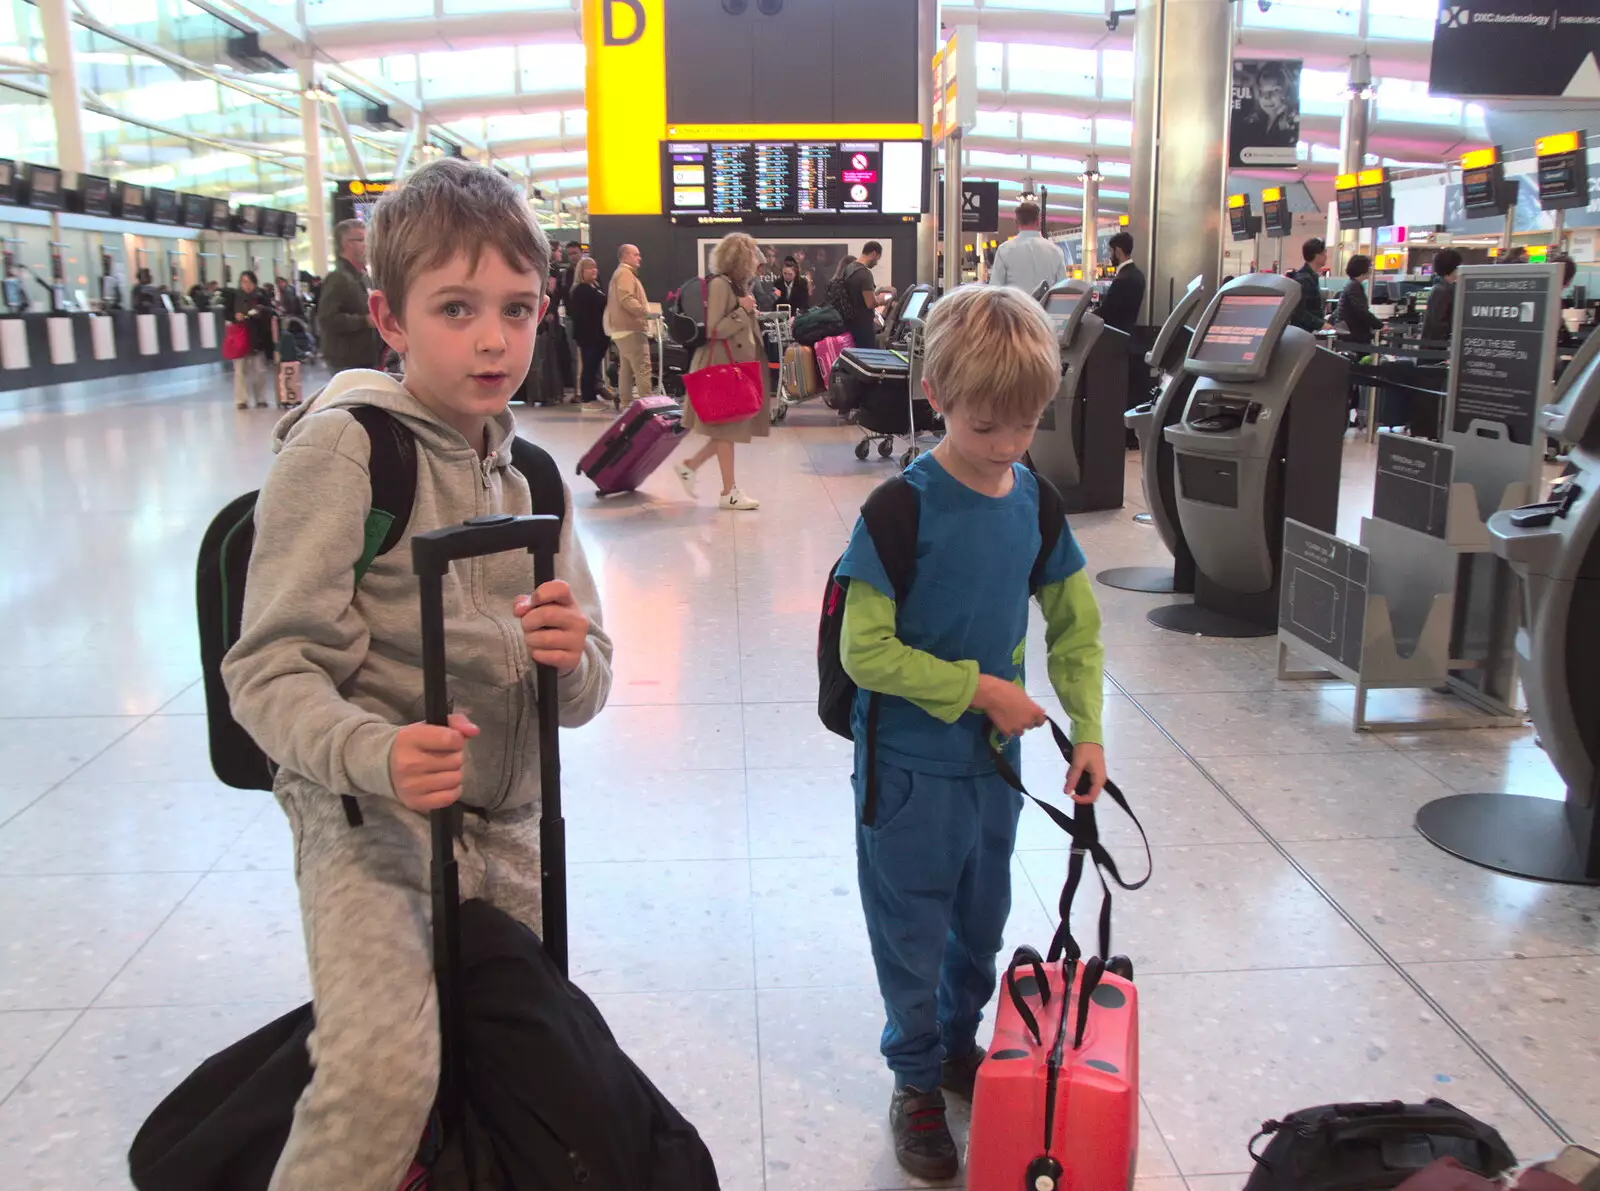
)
(627, 101)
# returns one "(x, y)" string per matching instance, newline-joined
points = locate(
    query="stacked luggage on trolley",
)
(880, 389)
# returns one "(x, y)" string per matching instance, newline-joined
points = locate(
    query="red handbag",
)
(721, 393)
(235, 341)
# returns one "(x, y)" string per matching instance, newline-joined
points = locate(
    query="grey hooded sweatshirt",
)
(325, 673)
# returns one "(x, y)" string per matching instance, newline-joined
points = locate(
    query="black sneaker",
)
(922, 1142)
(957, 1076)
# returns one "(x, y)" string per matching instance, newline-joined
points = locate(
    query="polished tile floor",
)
(1298, 944)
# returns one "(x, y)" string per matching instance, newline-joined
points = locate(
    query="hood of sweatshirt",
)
(366, 386)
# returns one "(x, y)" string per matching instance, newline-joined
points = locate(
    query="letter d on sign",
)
(611, 37)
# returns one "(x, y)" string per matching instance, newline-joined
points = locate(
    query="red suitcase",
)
(1056, 1103)
(1058, 1096)
(635, 445)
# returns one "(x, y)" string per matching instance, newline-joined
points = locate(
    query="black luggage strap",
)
(1085, 832)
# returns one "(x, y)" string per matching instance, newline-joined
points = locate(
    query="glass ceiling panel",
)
(452, 7)
(1047, 126)
(1000, 124)
(991, 65)
(1051, 69)
(1408, 100)
(448, 74)
(1412, 20)
(1322, 16)
(334, 12)
(552, 67)
(1113, 132)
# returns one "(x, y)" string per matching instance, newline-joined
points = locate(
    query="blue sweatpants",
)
(935, 875)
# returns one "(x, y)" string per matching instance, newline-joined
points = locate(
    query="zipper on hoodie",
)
(488, 468)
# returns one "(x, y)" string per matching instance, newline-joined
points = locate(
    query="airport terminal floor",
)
(1299, 943)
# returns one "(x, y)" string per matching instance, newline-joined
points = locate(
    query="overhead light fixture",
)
(319, 94)
(1029, 195)
(1091, 169)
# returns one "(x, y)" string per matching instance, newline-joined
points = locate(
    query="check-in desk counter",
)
(52, 349)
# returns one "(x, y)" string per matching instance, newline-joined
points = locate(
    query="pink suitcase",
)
(634, 446)
(828, 351)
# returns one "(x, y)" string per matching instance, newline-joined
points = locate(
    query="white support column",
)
(316, 185)
(1091, 217)
(1353, 138)
(66, 101)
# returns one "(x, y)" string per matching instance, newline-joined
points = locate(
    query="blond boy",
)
(936, 825)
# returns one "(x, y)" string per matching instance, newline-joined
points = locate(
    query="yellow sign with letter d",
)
(627, 101)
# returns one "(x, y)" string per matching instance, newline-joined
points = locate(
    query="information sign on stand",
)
(1322, 604)
(1501, 366)
(1413, 484)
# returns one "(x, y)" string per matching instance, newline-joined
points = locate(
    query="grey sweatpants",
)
(364, 902)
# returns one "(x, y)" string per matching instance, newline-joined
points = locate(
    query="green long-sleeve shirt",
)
(877, 660)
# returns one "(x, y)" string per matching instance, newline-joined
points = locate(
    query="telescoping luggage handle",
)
(431, 556)
(1085, 833)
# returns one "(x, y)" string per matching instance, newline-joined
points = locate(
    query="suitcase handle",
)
(431, 556)
(1027, 956)
(1092, 972)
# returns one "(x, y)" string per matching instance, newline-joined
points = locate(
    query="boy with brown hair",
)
(936, 824)
(327, 673)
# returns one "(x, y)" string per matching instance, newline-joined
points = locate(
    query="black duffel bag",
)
(552, 1102)
(817, 324)
(1371, 1147)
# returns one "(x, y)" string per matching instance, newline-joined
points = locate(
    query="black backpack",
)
(1371, 1147)
(842, 298)
(891, 515)
(225, 560)
(685, 310)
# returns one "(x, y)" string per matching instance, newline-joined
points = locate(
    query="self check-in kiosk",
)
(1260, 439)
(1080, 444)
(1157, 474)
(1554, 548)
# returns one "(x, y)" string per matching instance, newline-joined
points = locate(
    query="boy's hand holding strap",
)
(1085, 833)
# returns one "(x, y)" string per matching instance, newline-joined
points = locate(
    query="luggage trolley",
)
(881, 420)
(776, 326)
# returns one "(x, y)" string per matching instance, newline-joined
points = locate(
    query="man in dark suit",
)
(1122, 301)
(1120, 306)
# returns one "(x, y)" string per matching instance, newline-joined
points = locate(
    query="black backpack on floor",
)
(891, 515)
(1371, 1147)
(225, 561)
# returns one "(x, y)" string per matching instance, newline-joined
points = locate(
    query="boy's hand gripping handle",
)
(431, 556)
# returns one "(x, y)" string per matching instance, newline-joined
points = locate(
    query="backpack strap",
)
(393, 470)
(892, 515)
(1052, 520)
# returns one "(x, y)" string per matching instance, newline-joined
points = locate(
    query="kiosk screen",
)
(1064, 306)
(219, 214)
(94, 194)
(44, 187)
(1238, 330)
(914, 305)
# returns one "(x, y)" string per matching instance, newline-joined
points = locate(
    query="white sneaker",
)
(738, 500)
(686, 477)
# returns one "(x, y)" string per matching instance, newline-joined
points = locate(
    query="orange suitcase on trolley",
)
(1056, 1103)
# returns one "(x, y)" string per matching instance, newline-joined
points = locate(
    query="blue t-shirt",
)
(968, 601)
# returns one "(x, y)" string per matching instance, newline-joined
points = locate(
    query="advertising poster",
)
(1500, 357)
(1264, 127)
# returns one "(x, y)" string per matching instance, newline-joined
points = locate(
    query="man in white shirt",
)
(1028, 260)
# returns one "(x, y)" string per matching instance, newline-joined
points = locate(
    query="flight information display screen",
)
(1239, 330)
(44, 187)
(163, 206)
(94, 194)
(8, 180)
(792, 181)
